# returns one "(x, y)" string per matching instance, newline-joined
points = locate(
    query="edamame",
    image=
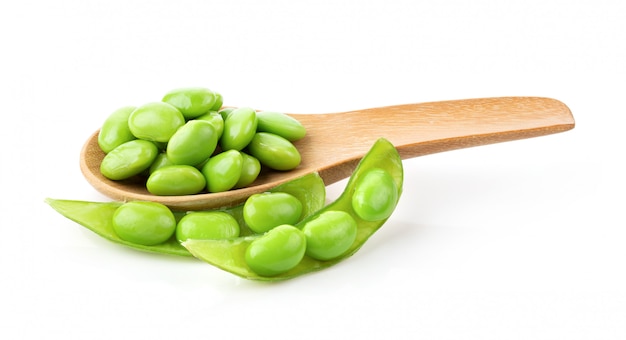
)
(207, 225)
(274, 151)
(193, 143)
(265, 211)
(176, 180)
(276, 252)
(115, 131)
(375, 195)
(239, 128)
(280, 124)
(250, 169)
(329, 235)
(216, 120)
(155, 121)
(98, 216)
(230, 255)
(193, 101)
(128, 159)
(191, 126)
(144, 223)
(223, 171)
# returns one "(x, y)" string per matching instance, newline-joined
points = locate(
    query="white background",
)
(520, 240)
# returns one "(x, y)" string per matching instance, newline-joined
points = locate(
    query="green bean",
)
(250, 169)
(207, 225)
(222, 171)
(280, 124)
(375, 195)
(144, 223)
(225, 112)
(193, 101)
(276, 252)
(265, 211)
(115, 131)
(98, 216)
(239, 128)
(179, 125)
(193, 143)
(160, 161)
(274, 151)
(329, 235)
(219, 101)
(216, 120)
(128, 159)
(155, 121)
(229, 255)
(176, 180)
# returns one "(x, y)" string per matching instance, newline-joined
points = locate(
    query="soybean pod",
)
(98, 216)
(382, 158)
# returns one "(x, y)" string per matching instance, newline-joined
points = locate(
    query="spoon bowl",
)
(335, 142)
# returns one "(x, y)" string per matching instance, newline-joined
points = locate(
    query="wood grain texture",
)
(335, 142)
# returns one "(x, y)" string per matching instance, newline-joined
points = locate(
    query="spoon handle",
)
(426, 128)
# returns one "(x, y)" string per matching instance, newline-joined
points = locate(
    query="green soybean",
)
(223, 171)
(274, 151)
(192, 101)
(250, 169)
(98, 216)
(375, 195)
(239, 129)
(276, 252)
(207, 225)
(176, 180)
(128, 159)
(144, 223)
(219, 101)
(225, 112)
(193, 143)
(280, 124)
(329, 235)
(216, 120)
(115, 131)
(156, 121)
(229, 255)
(265, 211)
(160, 161)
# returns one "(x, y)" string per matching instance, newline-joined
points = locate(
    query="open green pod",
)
(229, 255)
(98, 216)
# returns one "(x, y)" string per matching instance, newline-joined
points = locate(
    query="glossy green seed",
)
(193, 143)
(175, 180)
(229, 255)
(216, 120)
(98, 217)
(329, 235)
(115, 131)
(276, 252)
(225, 112)
(280, 124)
(156, 121)
(128, 159)
(219, 101)
(207, 225)
(262, 212)
(239, 129)
(191, 102)
(250, 169)
(223, 171)
(375, 195)
(160, 161)
(144, 223)
(274, 151)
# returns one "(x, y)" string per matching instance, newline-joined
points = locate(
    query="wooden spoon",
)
(335, 142)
